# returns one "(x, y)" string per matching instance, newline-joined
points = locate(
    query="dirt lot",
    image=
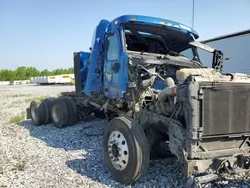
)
(46, 156)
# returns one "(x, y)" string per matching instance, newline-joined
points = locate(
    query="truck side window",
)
(112, 47)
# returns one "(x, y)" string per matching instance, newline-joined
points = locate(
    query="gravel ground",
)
(45, 156)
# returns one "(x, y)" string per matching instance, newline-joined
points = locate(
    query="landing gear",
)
(126, 150)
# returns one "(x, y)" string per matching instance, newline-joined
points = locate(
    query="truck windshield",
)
(189, 53)
(158, 40)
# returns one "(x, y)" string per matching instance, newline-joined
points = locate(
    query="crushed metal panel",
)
(94, 76)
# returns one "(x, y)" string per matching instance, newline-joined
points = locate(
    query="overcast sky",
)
(45, 33)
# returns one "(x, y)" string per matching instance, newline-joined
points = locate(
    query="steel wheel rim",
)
(118, 150)
(33, 113)
(55, 112)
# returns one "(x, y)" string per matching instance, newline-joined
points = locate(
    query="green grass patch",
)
(18, 118)
(59, 95)
(15, 104)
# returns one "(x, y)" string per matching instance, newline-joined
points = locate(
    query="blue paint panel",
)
(84, 57)
(156, 22)
(94, 78)
(158, 84)
(123, 74)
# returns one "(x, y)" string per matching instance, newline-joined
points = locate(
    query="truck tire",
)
(126, 150)
(38, 113)
(72, 110)
(60, 113)
(48, 103)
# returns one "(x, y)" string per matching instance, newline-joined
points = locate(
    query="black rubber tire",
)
(61, 111)
(48, 103)
(100, 114)
(138, 150)
(38, 113)
(72, 110)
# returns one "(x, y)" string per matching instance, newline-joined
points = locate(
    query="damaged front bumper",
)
(207, 170)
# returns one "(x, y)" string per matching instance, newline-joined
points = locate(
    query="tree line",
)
(25, 73)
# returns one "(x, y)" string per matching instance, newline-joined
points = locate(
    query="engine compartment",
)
(178, 101)
(171, 104)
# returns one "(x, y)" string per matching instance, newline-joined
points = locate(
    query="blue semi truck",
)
(145, 76)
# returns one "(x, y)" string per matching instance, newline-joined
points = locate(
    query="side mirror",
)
(90, 48)
(217, 60)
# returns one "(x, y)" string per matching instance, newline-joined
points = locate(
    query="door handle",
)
(115, 67)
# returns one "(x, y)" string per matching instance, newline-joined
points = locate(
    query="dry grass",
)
(12, 163)
(15, 104)
(1, 168)
(20, 164)
(39, 98)
(21, 95)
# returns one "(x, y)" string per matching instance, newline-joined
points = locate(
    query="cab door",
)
(115, 74)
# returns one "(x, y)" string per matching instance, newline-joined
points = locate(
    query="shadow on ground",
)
(75, 137)
(87, 136)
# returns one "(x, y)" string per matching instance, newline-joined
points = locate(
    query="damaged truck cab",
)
(115, 43)
(145, 75)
